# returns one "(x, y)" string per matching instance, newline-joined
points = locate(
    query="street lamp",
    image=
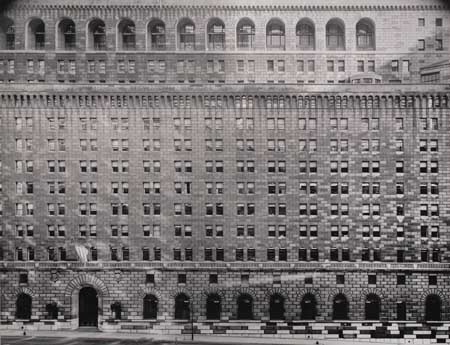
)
(2, 278)
(191, 315)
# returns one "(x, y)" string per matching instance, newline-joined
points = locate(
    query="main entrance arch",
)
(76, 290)
(88, 307)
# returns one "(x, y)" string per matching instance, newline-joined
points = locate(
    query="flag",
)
(82, 252)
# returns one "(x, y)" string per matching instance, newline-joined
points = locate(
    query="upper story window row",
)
(188, 36)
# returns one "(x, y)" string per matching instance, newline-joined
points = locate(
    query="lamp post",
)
(191, 316)
(2, 278)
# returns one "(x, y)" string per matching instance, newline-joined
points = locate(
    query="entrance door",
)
(433, 308)
(276, 307)
(213, 307)
(309, 307)
(88, 307)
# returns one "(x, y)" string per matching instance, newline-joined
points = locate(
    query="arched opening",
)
(309, 307)
(96, 35)
(7, 34)
(340, 307)
(23, 306)
(245, 307)
(66, 35)
(157, 34)
(305, 35)
(88, 307)
(182, 307)
(213, 307)
(245, 32)
(372, 307)
(365, 34)
(433, 305)
(335, 32)
(275, 34)
(276, 307)
(401, 311)
(216, 34)
(186, 34)
(36, 34)
(126, 34)
(150, 307)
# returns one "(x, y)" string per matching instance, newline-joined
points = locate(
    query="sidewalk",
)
(204, 339)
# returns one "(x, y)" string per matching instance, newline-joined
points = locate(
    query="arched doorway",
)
(276, 307)
(372, 307)
(23, 306)
(150, 307)
(433, 308)
(182, 307)
(340, 307)
(309, 307)
(245, 307)
(88, 307)
(213, 307)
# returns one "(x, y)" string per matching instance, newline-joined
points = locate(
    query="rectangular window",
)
(421, 44)
(406, 66)
(360, 65)
(330, 66)
(394, 65)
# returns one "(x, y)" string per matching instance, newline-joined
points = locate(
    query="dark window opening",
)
(150, 307)
(245, 307)
(308, 307)
(276, 307)
(182, 307)
(213, 307)
(23, 306)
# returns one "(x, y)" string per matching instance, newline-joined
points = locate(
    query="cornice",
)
(227, 266)
(285, 8)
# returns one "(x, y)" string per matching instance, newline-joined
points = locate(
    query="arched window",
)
(66, 34)
(372, 307)
(36, 34)
(305, 35)
(401, 311)
(186, 34)
(213, 307)
(97, 35)
(7, 34)
(182, 307)
(216, 34)
(309, 307)
(23, 306)
(276, 307)
(275, 34)
(340, 307)
(335, 35)
(157, 35)
(433, 305)
(126, 35)
(245, 307)
(150, 307)
(245, 32)
(365, 35)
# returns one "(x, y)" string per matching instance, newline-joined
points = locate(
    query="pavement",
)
(10, 337)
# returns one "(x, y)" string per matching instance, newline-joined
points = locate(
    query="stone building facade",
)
(256, 169)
